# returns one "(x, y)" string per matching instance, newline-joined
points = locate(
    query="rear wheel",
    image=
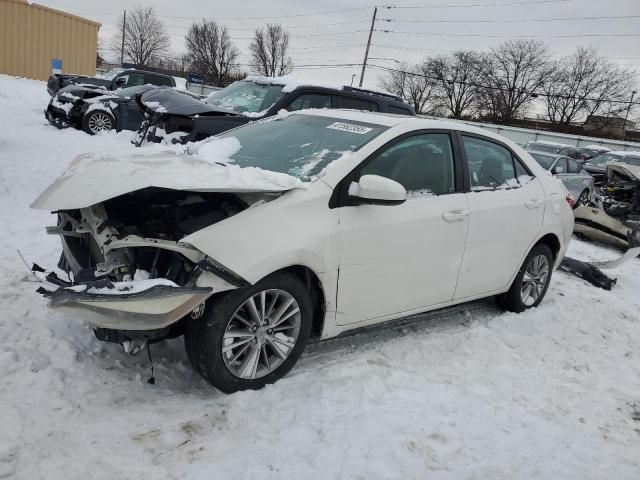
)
(253, 336)
(97, 121)
(531, 283)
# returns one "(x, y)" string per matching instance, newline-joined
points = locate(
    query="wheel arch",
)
(552, 241)
(316, 291)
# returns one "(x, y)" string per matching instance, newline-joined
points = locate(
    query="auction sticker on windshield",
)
(350, 127)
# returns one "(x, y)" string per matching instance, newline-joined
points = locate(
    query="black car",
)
(555, 148)
(592, 151)
(96, 110)
(173, 114)
(118, 78)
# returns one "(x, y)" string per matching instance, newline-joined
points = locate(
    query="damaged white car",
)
(301, 228)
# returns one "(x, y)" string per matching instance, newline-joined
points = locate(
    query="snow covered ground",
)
(553, 393)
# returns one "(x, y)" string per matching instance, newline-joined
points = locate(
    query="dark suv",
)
(184, 118)
(118, 78)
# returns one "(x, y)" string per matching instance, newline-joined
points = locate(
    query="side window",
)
(423, 164)
(490, 165)
(560, 164)
(133, 79)
(573, 166)
(356, 104)
(157, 80)
(310, 100)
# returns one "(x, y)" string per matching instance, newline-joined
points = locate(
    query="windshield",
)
(542, 147)
(604, 158)
(131, 91)
(545, 161)
(110, 75)
(244, 96)
(299, 145)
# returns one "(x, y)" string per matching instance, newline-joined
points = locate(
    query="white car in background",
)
(307, 225)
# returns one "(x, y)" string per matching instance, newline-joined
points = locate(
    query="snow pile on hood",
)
(156, 107)
(93, 178)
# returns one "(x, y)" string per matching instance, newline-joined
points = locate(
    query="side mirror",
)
(121, 81)
(557, 170)
(377, 190)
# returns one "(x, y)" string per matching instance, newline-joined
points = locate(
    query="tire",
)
(227, 321)
(98, 121)
(513, 300)
(582, 199)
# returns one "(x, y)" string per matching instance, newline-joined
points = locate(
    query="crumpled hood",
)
(83, 92)
(632, 171)
(176, 102)
(93, 178)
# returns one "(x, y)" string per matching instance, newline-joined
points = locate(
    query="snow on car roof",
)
(555, 144)
(624, 153)
(597, 147)
(290, 83)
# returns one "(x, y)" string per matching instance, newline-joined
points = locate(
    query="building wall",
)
(32, 35)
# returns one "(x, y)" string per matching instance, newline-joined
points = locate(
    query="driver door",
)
(403, 258)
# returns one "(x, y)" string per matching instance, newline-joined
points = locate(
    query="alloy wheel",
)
(99, 122)
(261, 334)
(534, 279)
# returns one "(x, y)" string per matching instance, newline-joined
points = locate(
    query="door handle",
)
(533, 203)
(455, 215)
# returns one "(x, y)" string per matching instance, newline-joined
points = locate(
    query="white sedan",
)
(304, 226)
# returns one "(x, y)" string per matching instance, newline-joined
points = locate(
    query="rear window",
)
(355, 104)
(399, 110)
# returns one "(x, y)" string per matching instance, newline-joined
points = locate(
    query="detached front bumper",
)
(156, 307)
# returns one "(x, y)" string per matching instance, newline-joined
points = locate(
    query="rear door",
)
(506, 213)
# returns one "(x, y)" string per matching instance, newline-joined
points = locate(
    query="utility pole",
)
(624, 125)
(124, 25)
(366, 52)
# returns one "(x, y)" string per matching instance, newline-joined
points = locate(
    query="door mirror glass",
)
(377, 190)
(121, 81)
(557, 170)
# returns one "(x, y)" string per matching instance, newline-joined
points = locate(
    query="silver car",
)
(578, 181)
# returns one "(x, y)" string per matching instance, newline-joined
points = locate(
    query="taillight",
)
(570, 200)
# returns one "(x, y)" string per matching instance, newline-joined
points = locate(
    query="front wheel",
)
(98, 121)
(531, 283)
(253, 336)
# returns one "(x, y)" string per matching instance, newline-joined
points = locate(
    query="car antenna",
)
(152, 379)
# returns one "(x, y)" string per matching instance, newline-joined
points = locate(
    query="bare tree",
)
(512, 73)
(145, 36)
(412, 83)
(584, 84)
(457, 78)
(270, 51)
(211, 52)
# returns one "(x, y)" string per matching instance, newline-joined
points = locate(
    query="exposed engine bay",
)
(141, 231)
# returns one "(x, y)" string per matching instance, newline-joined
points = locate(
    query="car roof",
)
(552, 144)
(547, 154)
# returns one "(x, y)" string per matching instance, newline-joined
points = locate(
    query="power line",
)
(525, 20)
(579, 35)
(473, 5)
(330, 12)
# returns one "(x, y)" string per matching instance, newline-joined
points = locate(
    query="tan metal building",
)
(32, 36)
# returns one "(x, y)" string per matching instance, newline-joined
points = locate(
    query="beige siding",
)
(33, 35)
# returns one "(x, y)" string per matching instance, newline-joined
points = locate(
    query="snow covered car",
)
(305, 225)
(178, 119)
(614, 213)
(95, 109)
(577, 180)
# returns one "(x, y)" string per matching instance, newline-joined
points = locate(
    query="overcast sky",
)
(324, 33)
